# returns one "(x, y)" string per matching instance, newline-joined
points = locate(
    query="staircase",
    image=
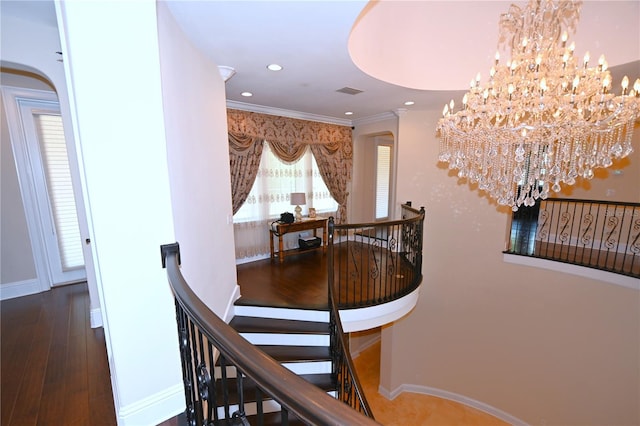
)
(296, 338)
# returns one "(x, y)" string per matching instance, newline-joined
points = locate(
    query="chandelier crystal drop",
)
(543, 118)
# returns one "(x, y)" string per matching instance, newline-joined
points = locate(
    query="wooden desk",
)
(305, 224)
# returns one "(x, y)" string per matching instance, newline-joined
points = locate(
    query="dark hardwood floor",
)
(54, 367)
(298, 282)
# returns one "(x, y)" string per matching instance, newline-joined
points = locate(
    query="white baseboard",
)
(568, 268)
(252, 259)
(229, 311)
(95, 316)
(154, 409)
(451, 396)
(19, 289)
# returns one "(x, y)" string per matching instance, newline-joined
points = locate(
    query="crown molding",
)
(375, 118)
(287, 113)
(312, 117)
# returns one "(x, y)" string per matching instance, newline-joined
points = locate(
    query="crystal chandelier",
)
(543, 118)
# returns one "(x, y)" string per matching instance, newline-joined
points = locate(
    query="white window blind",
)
(383, 175)
(58, 177)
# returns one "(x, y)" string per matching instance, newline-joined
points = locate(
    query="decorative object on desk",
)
(298, 198)
(286, 217)
(312, 212)
(544, 117)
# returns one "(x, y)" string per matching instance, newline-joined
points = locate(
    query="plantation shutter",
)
(56, 163)
(383, 174)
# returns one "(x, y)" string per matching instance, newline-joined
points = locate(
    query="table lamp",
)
(298, 198)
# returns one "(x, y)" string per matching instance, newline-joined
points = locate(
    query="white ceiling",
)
(433, 46)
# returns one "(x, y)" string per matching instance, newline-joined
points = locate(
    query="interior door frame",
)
(13, 97)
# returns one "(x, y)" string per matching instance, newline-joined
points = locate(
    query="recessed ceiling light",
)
(274, 67)
(409, 103)
(348, 113)
(246, 94)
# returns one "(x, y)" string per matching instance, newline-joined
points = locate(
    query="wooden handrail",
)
(419, 216)
(305, 400)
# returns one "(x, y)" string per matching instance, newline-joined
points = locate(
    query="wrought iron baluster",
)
(572, 235)
(225, 388)
(259, 406)
(185, 357)
(194, 370)
(635, 243)
(611, 241)
(239, 417)
(213, 412)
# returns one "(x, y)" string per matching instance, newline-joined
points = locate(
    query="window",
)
(275, 182)
(383, 177)
(58, 179)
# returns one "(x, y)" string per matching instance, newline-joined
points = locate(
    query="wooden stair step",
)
(292, 354)
(244, 324)
(283, 353)
(324, 381)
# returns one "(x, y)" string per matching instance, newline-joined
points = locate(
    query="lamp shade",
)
(298, 198)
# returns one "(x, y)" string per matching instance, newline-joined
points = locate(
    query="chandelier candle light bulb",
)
(541, 120)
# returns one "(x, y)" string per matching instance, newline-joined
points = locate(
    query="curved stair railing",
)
(222, 371)
(368, 264)
(349, 390)
(378, 262)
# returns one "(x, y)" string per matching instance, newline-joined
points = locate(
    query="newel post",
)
(169, 249)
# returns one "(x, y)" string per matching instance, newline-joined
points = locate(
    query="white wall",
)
(361, 203)
(543, 346)
(17, 266)
(198, 152)
(112, 57)
(31, 45)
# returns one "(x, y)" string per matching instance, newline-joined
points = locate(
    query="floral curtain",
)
(244, 153)
(331, 145)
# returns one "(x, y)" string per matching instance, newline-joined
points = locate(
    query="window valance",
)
(331, 144)
(290, 131)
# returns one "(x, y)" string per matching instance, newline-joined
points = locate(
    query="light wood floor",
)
(412, 408)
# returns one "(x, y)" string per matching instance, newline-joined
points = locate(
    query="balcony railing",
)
(221, 370)
(378, 262)
(596, 234)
